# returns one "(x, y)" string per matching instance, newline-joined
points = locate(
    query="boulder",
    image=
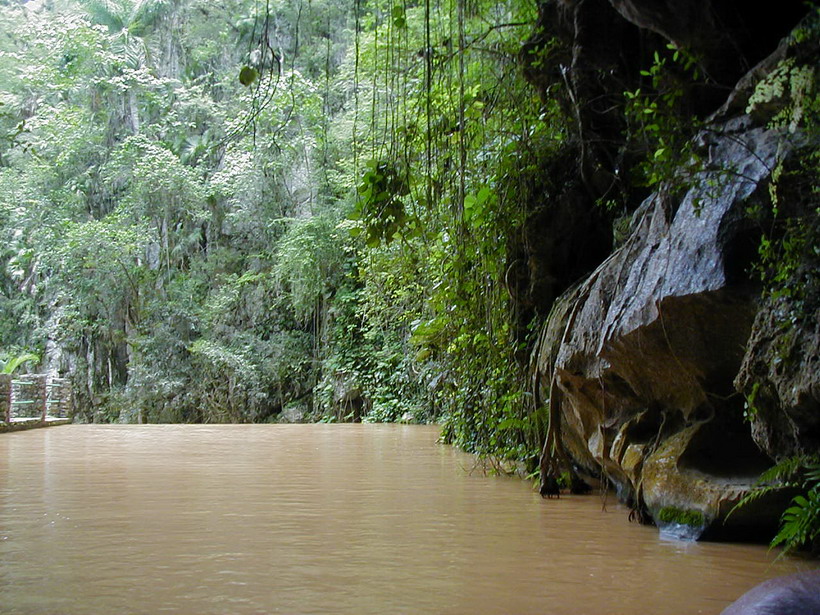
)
(795, 594)
(645, 350)
(665, 371)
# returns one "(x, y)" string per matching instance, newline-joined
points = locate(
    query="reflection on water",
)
(323, 519)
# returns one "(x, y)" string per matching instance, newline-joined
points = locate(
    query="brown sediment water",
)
(325, 519)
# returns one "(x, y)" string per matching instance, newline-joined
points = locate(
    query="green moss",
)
(670, 514)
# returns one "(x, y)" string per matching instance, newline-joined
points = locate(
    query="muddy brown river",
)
(325, 519)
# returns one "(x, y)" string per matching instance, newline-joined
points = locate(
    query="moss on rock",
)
(670, 514)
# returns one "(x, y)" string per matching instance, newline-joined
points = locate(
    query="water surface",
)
(303, 519)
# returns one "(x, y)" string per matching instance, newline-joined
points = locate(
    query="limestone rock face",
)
(780, 374)
(583, 55)
(645, 350)
(665, 372)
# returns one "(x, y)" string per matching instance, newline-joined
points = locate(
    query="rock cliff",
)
(665, 370)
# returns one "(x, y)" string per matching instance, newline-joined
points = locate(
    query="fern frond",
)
(782, 472)
(813, 472)
(758, 493)
(800, 523)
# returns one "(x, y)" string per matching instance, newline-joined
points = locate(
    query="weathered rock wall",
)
(649, 344)
(650, 361)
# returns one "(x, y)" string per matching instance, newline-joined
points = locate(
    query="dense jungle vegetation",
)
(245, 211)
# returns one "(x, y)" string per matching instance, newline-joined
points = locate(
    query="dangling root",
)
(554, 457)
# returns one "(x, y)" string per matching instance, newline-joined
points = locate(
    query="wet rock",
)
(348, 397)
(781, 379)
(645, 350)
(780, 374)
(650, 361)
(795, 594)
(293, 413)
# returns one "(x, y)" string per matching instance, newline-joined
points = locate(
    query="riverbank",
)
(23, 424)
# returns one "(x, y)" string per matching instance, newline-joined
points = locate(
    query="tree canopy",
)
(236, 212)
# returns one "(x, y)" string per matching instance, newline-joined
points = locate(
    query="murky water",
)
(323, 519)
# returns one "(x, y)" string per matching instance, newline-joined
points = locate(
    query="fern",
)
(800, 523)
(779, 476)
(784, 472)
(813, 472)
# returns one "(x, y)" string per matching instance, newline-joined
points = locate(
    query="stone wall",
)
(5, 397)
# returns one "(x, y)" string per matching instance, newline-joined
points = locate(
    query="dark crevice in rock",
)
(723, 450)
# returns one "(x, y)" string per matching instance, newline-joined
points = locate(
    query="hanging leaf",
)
(483, 195)
(399, 18)
(12, 364)
(248, 75)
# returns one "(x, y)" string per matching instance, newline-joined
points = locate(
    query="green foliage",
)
(750, 410)
(787, 95)
(160, 223)
(784, 267)
(308, 262)
(174, 201)
(11, 365)
(380, 204)
(800, 522)
(247, 75)
(788, 262)
(448, 125)
(670, 514)
(368, 370)
(657, 121)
